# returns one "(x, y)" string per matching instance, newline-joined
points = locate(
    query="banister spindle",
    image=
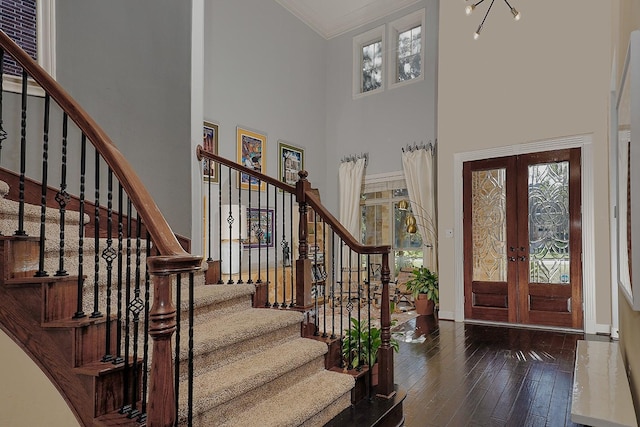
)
(230, 225)
(109, 255)
(119, 358)
(62, 197)
(220, 281)
(96, 238)
(291, 251)
(250, 281)
(136, 306)
(274, 239)
(259, 187)
(240, 228)
(43, 197)
(83, 169)
(127, 397)
(3, 133)
(209, 236)
(145, 356)
(23, 156)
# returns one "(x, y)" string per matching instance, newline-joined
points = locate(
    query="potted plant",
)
(360, 346)
(424, 287)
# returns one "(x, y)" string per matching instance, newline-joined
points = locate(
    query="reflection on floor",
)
(476, 375)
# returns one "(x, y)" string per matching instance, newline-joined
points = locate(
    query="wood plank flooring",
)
(479, 375)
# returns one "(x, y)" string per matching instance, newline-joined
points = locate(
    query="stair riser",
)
(60, 300)
(221, 414)
(231, 353)
(109, 391)
(20, 258)
(89, 344)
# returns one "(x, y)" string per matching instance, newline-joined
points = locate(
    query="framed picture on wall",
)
(251, 154)
(260, 228)
(291, 161)
(210, 144)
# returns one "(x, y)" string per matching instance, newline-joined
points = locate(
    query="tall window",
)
(368, 62)
(384, 223)
(406, 37)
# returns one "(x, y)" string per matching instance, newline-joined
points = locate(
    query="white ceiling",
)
(331, 18)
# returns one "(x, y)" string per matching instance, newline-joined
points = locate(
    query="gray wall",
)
(384, 122)
(128, 64)
(265, 70)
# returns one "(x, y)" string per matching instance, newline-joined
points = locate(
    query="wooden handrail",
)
(161, 234)
(309, 197)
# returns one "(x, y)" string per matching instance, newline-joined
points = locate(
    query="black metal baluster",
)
(209, 213)
(258, 235)
(109, 255)
(249, 237)
(220, 281)
(176, 372)
(145, 356)
(43, 197)
(191, 321)
(96, 238)
(3, 133)
(274, 238)
(323, 276)
(240, 225)
(83, 158)
(23, 156)
(136, 306)
(332, 294)
(293, 252)
(230, 224)
(315, 274)
(285, 251)
(62, 197)
(119, 358)
(127, 330)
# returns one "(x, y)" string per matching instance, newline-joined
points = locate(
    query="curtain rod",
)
(422, 146)
(354, 157)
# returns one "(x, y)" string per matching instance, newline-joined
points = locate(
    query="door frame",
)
(584, 142)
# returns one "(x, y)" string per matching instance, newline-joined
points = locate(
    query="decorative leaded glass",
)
(489, 207)
(549, 223)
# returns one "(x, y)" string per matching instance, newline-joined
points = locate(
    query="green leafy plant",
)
(360, 344)
(425, 282)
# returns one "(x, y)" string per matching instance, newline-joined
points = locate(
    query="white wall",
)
(544, 77)
(381, 123)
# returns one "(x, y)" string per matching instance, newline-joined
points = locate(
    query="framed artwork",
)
(210, 144)
(260, 227)
(291, 162)
(251, 151)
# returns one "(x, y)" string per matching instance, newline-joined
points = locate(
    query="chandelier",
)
(471, 7)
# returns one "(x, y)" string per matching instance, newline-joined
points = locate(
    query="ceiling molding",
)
(332, 18)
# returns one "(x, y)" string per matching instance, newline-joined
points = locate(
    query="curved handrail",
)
(309, 196)
(161, 234)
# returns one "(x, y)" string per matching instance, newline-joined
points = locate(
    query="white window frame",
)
(395, 28)
(46, 41)
(359, 41)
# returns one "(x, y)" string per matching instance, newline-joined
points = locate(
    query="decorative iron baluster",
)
(176, 370)
(209, 212)
(258, 231)
(119, 358)
(23, 156)
(109, 255)
(250, 281)
(127, 399)
(285, 252)
(332, 294)
(83, 158)
(292, 304)
(220, 281)
(43, 197)
(136, 306)
(62, 197)
(240, 281)
(96, 238)
(190, 374)
(323, 273)
(145, 354)
(273, 236)
(230, 224)
(314, 276)
(3, 133)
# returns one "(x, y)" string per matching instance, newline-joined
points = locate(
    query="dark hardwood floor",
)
(479, 375)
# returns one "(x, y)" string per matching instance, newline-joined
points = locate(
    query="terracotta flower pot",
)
(424, 306)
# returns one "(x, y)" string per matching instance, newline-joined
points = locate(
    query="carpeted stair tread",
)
(215, 294)
(216, 387)
(298, 403)
(239, 326)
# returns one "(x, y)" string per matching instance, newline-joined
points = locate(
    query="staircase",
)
(250, 364)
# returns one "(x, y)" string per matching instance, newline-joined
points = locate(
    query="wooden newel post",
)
(385, 353)
(303, 264)
(162, 325)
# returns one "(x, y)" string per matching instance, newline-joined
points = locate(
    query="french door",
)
(523, 239)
